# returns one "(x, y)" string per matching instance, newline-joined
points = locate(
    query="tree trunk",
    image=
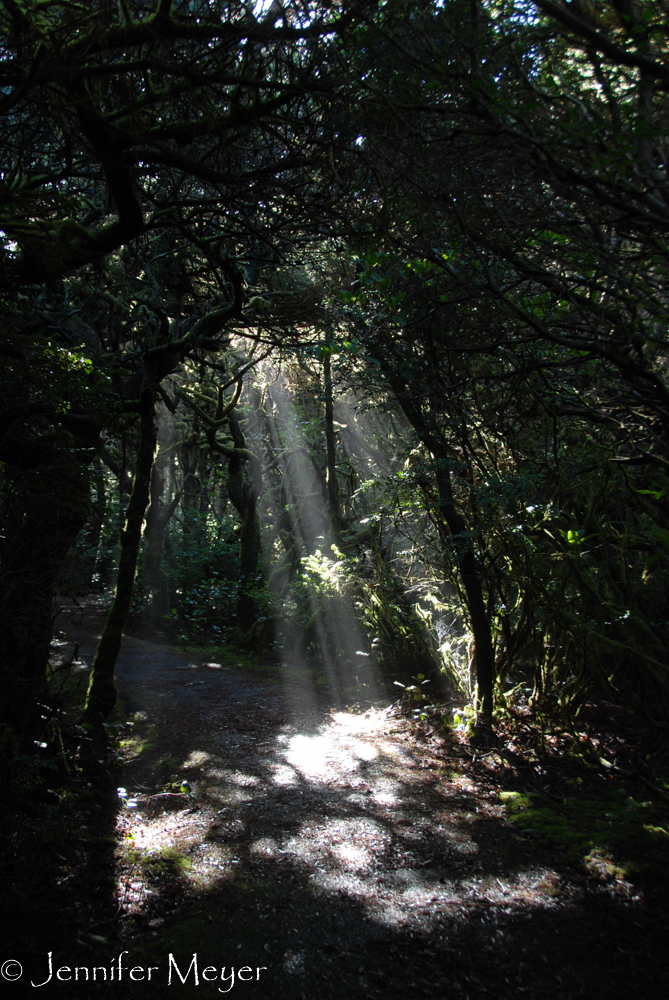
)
(484, 656)
(45, 511)
(243, 493)
(156, 522)
(95, 537)
(331, 451)
(102, 694)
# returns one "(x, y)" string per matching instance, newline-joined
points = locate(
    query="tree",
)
(120, 123)
(125, 130)
(506, 239)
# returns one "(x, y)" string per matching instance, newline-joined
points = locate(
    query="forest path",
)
(338, 852)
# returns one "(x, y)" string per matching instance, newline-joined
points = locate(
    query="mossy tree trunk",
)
(460, 539)
(101, 696)
(334, 509)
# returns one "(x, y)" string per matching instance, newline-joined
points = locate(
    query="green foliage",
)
(321, 596)
(630, 834)
(402, 639)
(201, 564)
(491, 287)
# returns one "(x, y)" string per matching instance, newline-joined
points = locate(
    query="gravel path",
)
(337, 854)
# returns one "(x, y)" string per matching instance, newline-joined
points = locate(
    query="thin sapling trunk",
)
(102, 693)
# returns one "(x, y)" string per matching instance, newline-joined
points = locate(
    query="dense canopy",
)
(437, 231)
(337, 333)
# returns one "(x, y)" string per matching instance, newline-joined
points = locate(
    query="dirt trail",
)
(339, 853)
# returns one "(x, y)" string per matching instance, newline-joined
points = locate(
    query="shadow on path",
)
(337, 853)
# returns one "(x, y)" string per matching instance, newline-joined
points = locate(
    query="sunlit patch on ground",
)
(264, 847)
(384, 839)
(153, 855)
(323, 757)
(283, 775)
(386, 794)
(350, 844)
(348, 741)
(198, 758)
(229, 777)
(216, 793)
(320, 823)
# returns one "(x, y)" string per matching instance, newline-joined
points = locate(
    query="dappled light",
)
(336, 819)
(334, 499)
(368, 854)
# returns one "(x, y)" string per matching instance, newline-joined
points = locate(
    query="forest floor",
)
(322, 852)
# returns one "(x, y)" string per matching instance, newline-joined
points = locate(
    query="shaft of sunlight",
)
(328, 648)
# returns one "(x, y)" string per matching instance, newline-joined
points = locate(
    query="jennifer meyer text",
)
(121, 969)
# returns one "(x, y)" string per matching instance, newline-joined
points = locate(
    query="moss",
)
(101, 697)
(153, 862)
(136, 746)
(168, 859)
(624, 832)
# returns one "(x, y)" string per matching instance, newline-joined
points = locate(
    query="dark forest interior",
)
(334, 499)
